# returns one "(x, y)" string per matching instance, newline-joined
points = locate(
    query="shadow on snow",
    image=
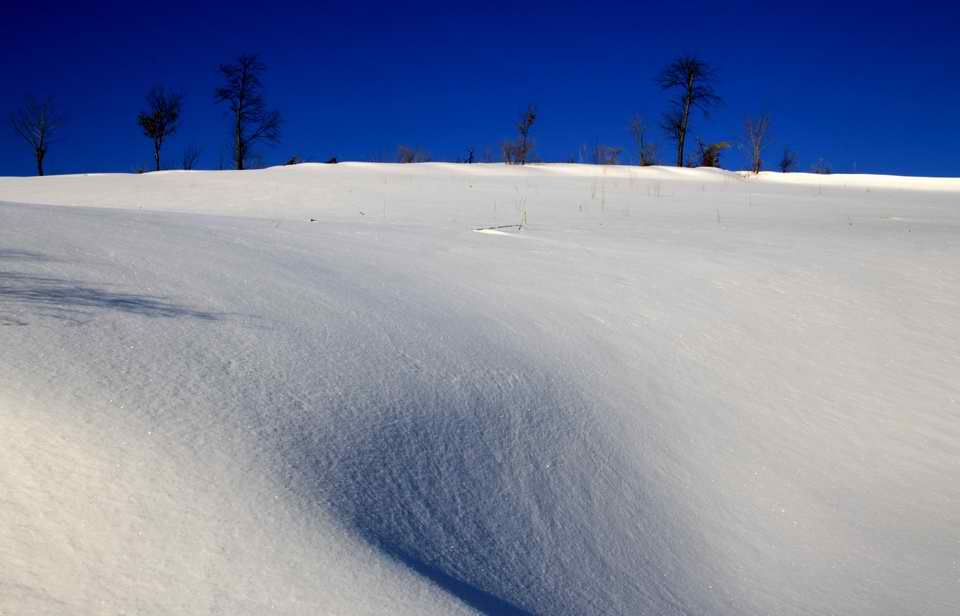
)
(22, 295)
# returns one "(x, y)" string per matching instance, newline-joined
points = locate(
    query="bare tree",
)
(37, 123)
(160, 119)
(470, 155)
(191, 154)
(406, 154)
(518, 153)
(524, 145)
(694, 80)
(646, 152)
(508, 150)
(606, 155)
(243, 92)
(789, 161)
(821, 167)
(756, 132)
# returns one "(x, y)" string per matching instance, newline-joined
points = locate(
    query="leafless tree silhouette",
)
(37, 122)
(524, 145)
(517, 153)
(693, 78)
(606, 154)
(191, 154)
(789, 161)
(821, 167)
(243, 92)
(161, 118)
(756, 132)
(406, 154)
(646, 151)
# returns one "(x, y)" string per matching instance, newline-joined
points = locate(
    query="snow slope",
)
(673, 392)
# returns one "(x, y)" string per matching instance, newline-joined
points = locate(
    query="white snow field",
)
(673, 392)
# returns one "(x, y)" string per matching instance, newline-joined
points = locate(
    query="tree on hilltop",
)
(518, 152)
(692, 78)
(161, 118)
(37, 123)
(756, 132)
(243, 93)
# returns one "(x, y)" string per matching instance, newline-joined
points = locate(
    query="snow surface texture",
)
(673, 392)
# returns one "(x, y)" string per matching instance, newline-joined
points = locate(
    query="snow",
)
(684, 392)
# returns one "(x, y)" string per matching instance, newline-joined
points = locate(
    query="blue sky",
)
(870, 88)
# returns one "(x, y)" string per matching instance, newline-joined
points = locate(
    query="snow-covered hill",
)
(317, 390)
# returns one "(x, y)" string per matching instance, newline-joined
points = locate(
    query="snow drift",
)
(316, 390)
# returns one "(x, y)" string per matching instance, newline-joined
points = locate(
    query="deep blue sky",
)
(872, 88)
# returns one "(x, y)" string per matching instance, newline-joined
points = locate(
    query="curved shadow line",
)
(476, 598)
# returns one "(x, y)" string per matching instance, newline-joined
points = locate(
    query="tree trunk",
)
(238, 153)
(156, 153)
(681, 142)
(684, 120)
(39, 163)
